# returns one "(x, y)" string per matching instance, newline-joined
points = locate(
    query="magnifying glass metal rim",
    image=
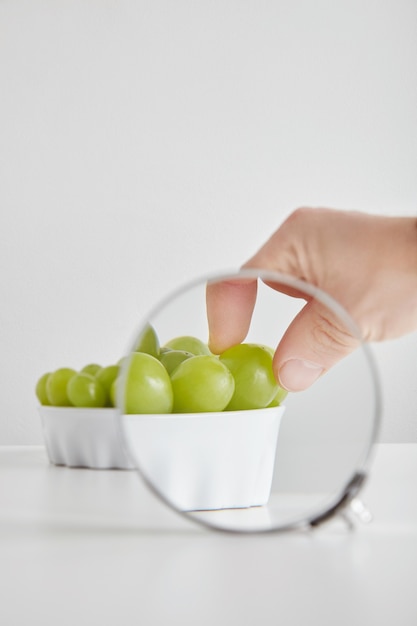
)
(350, 490)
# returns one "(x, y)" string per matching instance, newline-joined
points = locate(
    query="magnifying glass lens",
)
(213, 432)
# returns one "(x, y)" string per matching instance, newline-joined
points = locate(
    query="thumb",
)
(315, 341)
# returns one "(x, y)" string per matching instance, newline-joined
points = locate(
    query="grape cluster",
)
(91, 387)
(182, 376)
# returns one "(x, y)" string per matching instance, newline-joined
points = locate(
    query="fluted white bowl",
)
(206, 461)
(79, 437)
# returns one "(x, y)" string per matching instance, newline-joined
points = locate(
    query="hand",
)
(365, 262)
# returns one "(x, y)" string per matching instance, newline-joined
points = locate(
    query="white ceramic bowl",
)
(206, 461)
(83, 437)
(199, 461)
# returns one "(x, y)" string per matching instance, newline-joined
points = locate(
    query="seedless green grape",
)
(148, 341)
(201, 383)
(105, 377)
(281, 393)
(41, 389)
(170, 359)
(113, 392)
(84, 390)
(147, 387)
(188, 343)
(255, 384)
(56, 386)
(279, 397)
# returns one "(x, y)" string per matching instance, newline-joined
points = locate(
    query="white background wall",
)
(143, 143)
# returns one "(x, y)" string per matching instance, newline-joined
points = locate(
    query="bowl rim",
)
(45, 408)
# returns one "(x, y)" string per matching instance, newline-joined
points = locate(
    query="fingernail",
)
(296, 375)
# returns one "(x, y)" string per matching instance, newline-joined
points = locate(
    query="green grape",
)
(170, 359)
(188, 343)
(268, 348)
(84, 390)
(280, 395)
(106, 376)
(91, 368)
(113, 391)
(40, 389)
(201, 383)
(255, 384)
(148, 342)
(56, 386)
(147, 386)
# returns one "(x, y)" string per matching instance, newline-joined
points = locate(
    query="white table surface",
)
(95, 547)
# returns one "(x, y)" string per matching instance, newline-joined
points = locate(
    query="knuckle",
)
(332, 337)
(301, 214)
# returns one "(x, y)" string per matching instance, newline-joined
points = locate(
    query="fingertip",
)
(216, 346)
(229, 311)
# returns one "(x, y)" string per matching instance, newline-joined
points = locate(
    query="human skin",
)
(367, 263)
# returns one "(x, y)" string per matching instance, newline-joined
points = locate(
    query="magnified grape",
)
(279, 397)
(255, 384)
(201, 383)
(170, 359)
(148, 342)
(188, 344)
(148, 386)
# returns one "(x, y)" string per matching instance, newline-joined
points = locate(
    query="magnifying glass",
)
(218, 440)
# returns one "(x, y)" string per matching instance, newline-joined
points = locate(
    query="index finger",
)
(230, 304)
